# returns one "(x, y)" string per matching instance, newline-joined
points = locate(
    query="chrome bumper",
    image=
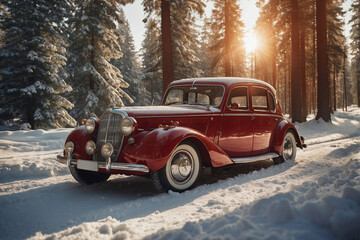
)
(102, 165)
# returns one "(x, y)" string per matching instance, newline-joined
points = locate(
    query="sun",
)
(251, 42)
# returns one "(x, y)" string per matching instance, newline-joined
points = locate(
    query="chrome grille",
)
(109, 132)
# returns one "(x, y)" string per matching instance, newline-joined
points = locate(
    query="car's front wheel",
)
(288, 149)
(180, 172)
(88, 177)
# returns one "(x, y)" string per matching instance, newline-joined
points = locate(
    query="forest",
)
(62, 61)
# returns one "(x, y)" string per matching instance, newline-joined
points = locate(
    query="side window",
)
(174, 96)
(272, 102)
(259, 98)
(238, 96)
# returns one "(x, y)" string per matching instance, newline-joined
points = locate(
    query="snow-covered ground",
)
(315, 197)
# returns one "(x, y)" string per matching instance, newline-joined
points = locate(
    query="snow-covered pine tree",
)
(183, 33)
(94, 41)
(204, 51)
(31, 64)
(185, 38)
(228, 52)
(152, 61)
(129, 64)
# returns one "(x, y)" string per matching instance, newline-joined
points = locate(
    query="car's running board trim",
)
(254, 158)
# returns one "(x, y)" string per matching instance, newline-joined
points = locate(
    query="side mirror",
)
(235, 106)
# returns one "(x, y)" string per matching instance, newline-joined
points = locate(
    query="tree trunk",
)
(322, 63)
(314, 65)
(274, 67)
(345, 92)
(334, 93)
(168, 72)
(227, 41)
(92, 61)
(296, 98)
(303, 75)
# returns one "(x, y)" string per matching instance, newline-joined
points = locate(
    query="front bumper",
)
(94, 165)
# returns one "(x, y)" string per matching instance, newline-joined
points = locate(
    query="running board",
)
(254, 158)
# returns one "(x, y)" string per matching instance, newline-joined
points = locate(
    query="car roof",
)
(226, 81)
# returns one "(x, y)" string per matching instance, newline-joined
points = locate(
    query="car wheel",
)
(181, 171)
(288, 149)
(88, 177)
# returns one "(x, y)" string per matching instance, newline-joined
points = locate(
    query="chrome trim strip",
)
(113, 166)
(251, 114)
(254, 158)
(126, 167)
(172, 116)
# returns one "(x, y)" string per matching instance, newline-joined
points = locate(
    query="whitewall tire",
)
(181, 171)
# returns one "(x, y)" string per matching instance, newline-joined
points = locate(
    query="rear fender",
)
(154, 148)
(282, 128)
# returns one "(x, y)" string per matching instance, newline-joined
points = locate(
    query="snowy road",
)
(306, 199)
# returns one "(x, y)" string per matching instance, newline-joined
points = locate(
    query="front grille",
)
(109, 132)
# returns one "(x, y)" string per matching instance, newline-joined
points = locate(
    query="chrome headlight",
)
(90, 125)
(127, 126)
(69, 147)
(106, 150)
(90, 147)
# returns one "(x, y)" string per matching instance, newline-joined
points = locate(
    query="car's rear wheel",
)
(180, 172)
(88, 177)
(288, 149)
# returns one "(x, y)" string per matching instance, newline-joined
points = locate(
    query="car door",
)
(264, 120)
(236, 133)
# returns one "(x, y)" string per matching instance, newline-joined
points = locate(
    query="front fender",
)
(154, 148)
(280, 132)
(80, 137)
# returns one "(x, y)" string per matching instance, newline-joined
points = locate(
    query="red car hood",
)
(165, 111)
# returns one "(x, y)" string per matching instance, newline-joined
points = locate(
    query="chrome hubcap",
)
(181, 166)
(288, 148)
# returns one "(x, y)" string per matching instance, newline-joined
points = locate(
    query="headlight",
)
(106, 150)
(127, 126)
(69, 147)
(90, 125)
(90, 147)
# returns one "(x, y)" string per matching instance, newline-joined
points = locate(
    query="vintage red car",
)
(210, 122)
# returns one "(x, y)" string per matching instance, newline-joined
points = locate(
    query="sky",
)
(135, 14)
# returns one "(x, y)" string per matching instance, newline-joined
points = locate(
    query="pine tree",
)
(129, 64)
(226, 40)
(152, 61)
(31, 65)
(96, 82)
(355, 47)
(336, 42)
(177, 19)
(322, 63)
(204, 53)
(185, 42)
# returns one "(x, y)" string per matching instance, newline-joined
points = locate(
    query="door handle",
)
(252, 117)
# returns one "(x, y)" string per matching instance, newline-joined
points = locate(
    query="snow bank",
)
(27, 154)
(309, 211)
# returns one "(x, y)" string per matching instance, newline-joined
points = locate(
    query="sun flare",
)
(251, 42)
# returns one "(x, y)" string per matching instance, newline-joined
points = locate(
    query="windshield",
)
(203, 95)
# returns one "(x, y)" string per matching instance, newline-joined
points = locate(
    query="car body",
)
(208, 122)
